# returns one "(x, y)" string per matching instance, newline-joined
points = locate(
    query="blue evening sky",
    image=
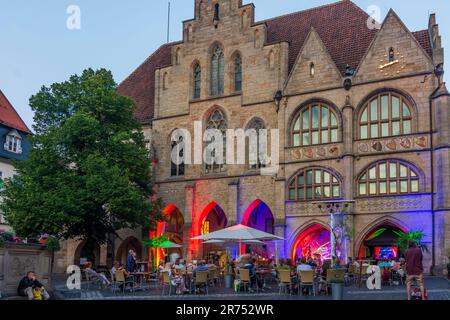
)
(36, 48)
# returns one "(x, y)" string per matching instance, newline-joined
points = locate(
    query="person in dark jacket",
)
(131, 262)
(28, 283)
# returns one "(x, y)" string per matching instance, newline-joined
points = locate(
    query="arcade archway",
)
(130, 243)
(82, 255)
(212, 218)
(172, 228)
(259, 216)
(313, 242)
(380, 242)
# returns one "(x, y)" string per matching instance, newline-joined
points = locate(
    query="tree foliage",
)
(88, 173)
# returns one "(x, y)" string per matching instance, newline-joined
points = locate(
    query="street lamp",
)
(332, 207)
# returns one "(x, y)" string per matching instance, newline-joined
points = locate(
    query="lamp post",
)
(332, 207)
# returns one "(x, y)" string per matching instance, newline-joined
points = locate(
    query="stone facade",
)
(307, 71)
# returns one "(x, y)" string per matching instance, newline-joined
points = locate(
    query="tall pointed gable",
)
(394, 52)
(314, 68)
(9, 116)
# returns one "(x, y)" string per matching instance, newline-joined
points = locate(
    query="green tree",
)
(88, 173)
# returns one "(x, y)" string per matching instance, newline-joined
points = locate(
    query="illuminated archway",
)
(130, 243)
(312, 242)
(172, 227)
(379, 241)
(259, 216)
(212, 218)
(81, 254)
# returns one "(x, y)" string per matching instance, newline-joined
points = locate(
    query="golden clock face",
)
(392, 64)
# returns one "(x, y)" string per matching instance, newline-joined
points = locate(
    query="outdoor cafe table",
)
(141, 277)
(263, 274)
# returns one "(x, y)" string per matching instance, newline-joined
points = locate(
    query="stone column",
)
(189, 216)
(348, 155)
(441, 149)
(233, 210)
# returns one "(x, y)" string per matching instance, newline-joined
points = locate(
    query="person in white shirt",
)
(303, 266)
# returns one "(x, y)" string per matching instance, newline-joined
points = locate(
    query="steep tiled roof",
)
(342, 26)
(140, 85)
(9, 116)
(423, 37)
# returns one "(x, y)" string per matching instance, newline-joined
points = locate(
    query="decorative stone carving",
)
(317, 152)
(392, 144)
(393, 204)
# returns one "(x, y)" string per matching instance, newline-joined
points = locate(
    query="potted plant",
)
(43, 239)
(405, 237)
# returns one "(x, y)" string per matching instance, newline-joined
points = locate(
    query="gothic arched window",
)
(388, 178)
(238, 73)
(217, 120)
(314, 184)
(177, 168)
(256, 124)
(217, 72)
(387, 114)
(315, 124)
(197, 81)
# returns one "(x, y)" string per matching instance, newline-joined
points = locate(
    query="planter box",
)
(17, 259)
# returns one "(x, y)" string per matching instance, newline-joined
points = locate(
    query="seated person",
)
(303, 266)
(349, 263)
(250, 265)
(29, 287)
(337, 264)
(384, 263)
(201, 266)
(100, 276)
(311, 263)
(117, 266)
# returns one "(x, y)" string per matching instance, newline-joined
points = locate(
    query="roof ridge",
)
(307, 10)
(169, 44)
(9, 104)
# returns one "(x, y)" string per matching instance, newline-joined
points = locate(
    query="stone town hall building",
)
(362, 114)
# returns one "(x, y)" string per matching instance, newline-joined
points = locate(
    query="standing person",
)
(414, 268)
(131, 262)
(30, 283)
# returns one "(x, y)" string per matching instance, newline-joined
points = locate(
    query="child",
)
(37, 293)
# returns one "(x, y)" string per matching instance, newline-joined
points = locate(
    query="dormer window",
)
(13, 142)
(391, 54)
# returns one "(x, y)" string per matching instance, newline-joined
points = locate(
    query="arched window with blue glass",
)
(314, 184)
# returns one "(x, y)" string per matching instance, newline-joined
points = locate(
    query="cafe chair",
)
(200, 280)
(121, 281)
(306, 280)
(244, 276)
(92, 280)
(284, 281)
(166, 282)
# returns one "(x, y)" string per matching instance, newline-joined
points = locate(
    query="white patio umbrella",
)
(238, 234)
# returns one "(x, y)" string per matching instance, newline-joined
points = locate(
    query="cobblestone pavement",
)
(438, 289)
